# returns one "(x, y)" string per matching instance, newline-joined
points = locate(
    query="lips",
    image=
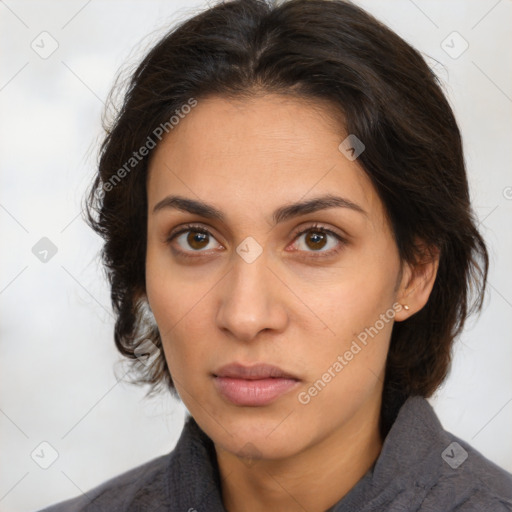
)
(253, 386)
(258, 371)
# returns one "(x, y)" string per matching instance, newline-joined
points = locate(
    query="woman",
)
(290, 246)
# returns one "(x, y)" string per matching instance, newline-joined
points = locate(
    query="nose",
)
(251, 300)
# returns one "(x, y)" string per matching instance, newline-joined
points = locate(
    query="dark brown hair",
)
(389, 98)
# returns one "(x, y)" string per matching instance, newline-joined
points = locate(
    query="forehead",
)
(258, 154)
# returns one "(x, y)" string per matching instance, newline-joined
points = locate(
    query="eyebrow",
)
(282, 214)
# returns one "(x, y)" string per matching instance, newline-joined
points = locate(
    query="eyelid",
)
(299, 231)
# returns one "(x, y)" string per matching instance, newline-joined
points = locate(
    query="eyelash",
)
(315, 228)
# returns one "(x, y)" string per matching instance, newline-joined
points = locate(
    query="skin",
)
(286, 308)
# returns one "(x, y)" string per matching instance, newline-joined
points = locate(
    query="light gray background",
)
(57, 354)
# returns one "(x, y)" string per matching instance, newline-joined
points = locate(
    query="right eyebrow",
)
(189, 205)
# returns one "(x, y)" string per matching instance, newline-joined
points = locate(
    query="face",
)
(299, 299)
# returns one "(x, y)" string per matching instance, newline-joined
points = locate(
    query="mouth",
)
(253, 386)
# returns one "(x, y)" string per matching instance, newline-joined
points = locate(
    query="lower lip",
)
(253, 392)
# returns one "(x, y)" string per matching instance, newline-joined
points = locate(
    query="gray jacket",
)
(421, 468)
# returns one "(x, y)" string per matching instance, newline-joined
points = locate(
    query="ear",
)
(417, 281)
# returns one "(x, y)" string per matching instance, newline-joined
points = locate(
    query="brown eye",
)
(192, 239)
(197, 239)
(316, 240)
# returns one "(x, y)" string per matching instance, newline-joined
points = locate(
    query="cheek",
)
(346, 367)
(353, 296)
(172, 291)
(355, 305)
(178, 298)
(169, 296)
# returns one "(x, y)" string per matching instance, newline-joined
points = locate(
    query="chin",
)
(257, 433)
(257, 446)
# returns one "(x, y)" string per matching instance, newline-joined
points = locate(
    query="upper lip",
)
(255, 372)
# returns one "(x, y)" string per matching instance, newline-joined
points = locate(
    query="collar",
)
(408, 466)
(194, 479)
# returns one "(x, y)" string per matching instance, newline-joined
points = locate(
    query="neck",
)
(314, 479)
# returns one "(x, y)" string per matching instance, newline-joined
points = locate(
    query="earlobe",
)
(417, 283)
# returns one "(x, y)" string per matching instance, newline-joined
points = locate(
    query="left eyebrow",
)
(313, 205)
(281, 214)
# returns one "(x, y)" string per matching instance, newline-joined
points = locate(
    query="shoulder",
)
(447, 471)
(188, 474)
(472, 481)
(143, 487)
